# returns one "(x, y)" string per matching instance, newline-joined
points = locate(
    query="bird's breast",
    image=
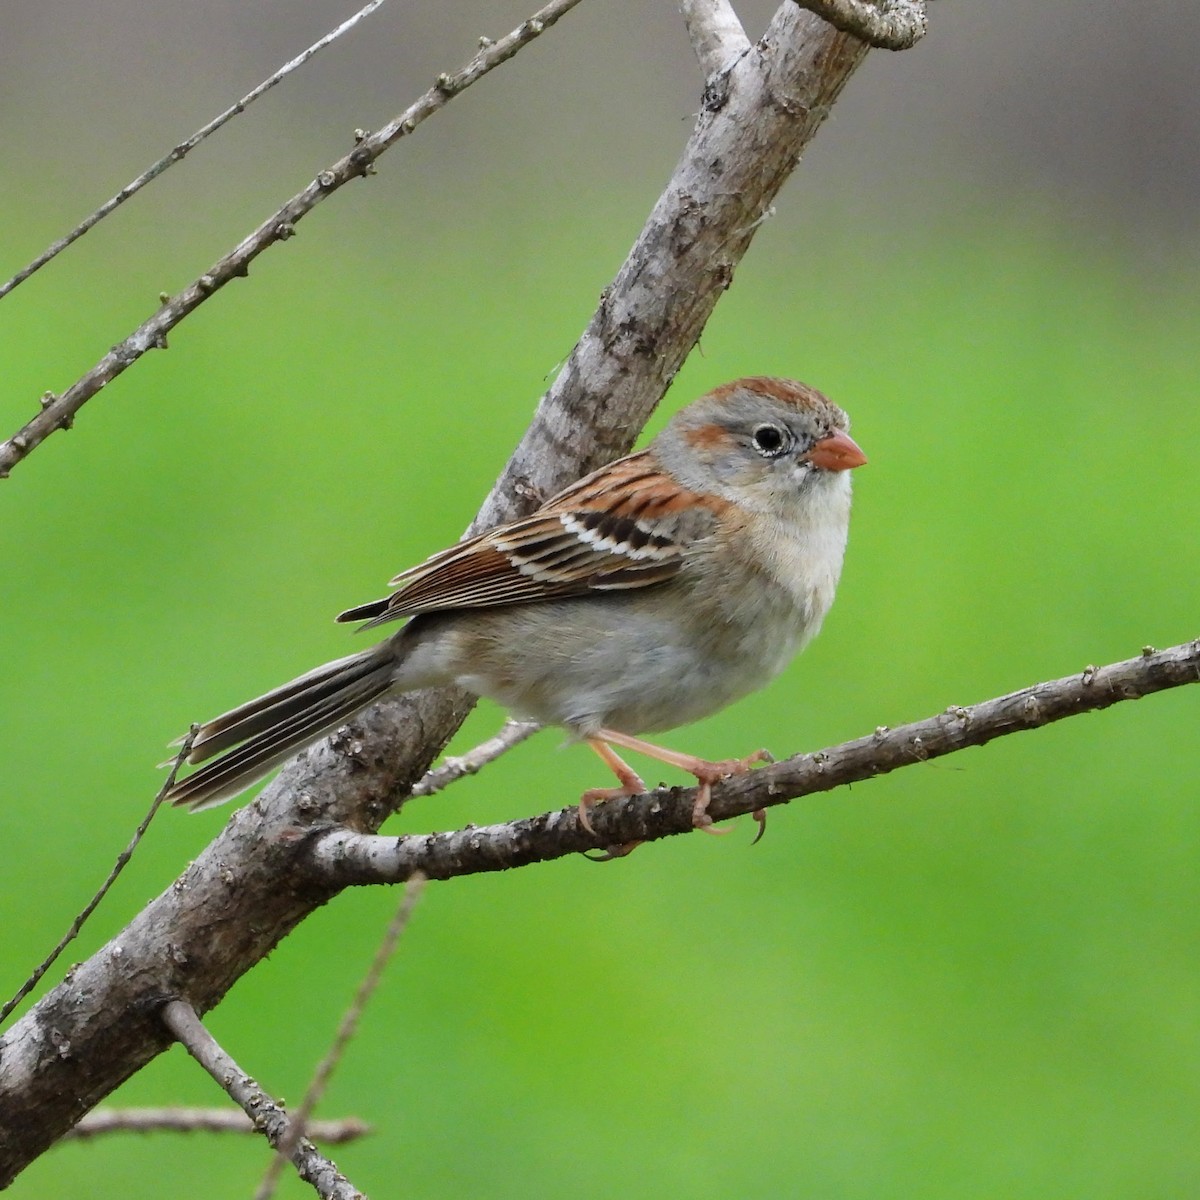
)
(801, 555)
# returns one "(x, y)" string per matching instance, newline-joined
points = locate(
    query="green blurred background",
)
(975, 978)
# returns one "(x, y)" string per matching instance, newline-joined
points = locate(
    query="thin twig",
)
(268, 1115)
(512, 733)
(58, 412)
(346, 1029)
(342, 857)
(101, 1121)
(886, 25)
(91, 906)
(180, 151)
(716, 34)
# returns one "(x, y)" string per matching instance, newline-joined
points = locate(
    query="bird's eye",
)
(770, 440)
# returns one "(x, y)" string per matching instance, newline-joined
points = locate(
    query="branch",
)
(512, 733)
(887, 25)
(342, 857)
(716, 33)
(748, 138)
(242, 895)
(178, 153)
(268, 1116)
(101, 1121)
(58, 412)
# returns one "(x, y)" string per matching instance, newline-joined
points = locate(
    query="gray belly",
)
(615, 662)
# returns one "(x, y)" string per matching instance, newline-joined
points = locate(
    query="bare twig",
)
(885, 24)
(343, 857)
(267, 1115)
(101, 1121)
(512, 733)
(182, 149)
(716, 33)
(300, 1124)
(58, 412)
(91, 906)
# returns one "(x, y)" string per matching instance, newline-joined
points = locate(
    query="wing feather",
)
(625, 526)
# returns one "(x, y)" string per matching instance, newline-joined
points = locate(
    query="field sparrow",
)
(651, 593)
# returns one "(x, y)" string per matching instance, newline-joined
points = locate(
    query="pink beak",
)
(837, 452)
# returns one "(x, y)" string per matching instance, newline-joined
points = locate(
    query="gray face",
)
(756, 439)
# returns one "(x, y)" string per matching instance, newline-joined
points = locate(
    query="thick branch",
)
(343, 857)
(247, 890)
(757, 119)
(58, 412)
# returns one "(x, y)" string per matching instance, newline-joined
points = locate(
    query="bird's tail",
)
(262, 733)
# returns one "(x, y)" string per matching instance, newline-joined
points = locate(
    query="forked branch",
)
(749, 136)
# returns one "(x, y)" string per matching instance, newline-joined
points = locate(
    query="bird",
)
(654, 591)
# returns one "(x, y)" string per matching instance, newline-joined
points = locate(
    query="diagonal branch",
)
(342, 857)
(748, 139)
(58, 412)
(246, 891)
(268, 1116)
(179, 152)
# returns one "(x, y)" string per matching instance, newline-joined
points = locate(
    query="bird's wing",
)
(625, 526)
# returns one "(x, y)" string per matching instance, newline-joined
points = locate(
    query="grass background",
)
(973, 978)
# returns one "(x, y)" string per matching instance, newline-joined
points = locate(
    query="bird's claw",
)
(760, 815)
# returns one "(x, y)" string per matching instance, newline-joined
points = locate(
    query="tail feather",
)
(375, 610)
(279, 705)
(275, 726)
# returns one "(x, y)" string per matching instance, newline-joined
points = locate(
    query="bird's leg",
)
(631, 782)
(707, 773)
